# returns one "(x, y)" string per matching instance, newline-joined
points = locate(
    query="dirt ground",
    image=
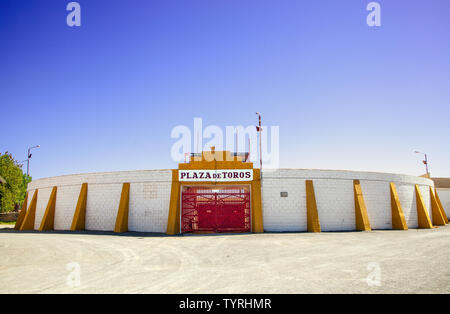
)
(414, 261)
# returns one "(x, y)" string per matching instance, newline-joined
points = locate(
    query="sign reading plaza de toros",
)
(216, 175)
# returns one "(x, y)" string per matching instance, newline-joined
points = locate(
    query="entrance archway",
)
(215, 209)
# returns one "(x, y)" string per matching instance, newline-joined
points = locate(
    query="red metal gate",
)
(205, 209)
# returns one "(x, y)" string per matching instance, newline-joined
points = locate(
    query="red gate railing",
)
(206, 210)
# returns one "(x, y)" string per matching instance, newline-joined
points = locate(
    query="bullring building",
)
(220, 192)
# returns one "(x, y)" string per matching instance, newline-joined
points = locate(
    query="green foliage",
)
(13, 192)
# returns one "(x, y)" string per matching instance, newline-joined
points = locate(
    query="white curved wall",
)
(150, 198)
(444, 196)
(335, 198)
(148, 207)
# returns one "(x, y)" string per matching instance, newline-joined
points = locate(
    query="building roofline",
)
(441, 183)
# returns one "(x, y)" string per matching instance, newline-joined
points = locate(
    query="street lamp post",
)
(425, 161)
(29, 157)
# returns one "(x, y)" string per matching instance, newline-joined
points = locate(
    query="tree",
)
(13, 192)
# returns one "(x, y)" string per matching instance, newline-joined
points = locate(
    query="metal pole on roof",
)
(425, 161)
(259, 129)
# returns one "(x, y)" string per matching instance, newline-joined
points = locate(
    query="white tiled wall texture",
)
(148, 207)
(66, 202)
(444, 196)
(42, 200)
(335, 198)
(150, 198)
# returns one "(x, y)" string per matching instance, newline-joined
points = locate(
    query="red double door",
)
(215, 209)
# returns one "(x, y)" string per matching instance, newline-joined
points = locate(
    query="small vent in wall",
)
(284, 194)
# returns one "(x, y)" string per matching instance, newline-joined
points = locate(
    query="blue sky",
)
(105, 96)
